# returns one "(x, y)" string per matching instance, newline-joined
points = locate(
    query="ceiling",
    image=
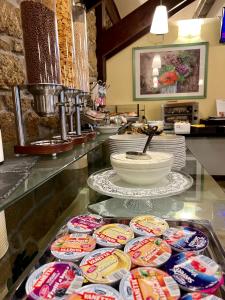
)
(127, 6)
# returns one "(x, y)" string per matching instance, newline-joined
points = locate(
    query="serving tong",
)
(143, 155)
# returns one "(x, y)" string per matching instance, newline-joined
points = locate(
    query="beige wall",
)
(119, 70)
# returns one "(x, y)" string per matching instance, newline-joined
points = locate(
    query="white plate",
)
(107, 182)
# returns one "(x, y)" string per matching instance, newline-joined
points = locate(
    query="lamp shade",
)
(160, 20)
(156, 62)
(155, 72)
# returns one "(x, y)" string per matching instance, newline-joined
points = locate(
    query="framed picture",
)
(170, 72)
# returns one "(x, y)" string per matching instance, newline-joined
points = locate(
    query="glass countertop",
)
(48, 166)
(67, 194)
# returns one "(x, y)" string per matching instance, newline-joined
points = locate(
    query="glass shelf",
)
(55, 190)
(47, 167)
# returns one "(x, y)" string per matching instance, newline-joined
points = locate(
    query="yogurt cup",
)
(149, 283)
(54, 281)
(186, 239)
(194, 272)
(113, 235)
(96, 292)
(73, 246)
(85, 223)
(148, 251)
(105, 266)
(199, 296)
(148, 225)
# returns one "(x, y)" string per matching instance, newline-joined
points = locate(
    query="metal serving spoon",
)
(143, 155)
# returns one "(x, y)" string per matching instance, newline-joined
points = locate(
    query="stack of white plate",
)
(126, 142)
(174, 144)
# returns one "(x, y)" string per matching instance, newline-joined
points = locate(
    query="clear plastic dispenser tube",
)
(39, 26)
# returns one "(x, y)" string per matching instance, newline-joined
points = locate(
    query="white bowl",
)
(142, 177)
(142, 172)
(110, 129)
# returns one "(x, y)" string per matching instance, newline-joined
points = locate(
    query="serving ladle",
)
(143, 155)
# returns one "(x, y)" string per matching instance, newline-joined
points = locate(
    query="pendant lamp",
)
(160, 20)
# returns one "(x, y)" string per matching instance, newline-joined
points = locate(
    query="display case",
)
(175, 112)
(57, 189)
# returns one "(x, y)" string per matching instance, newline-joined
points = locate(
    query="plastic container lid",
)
(149, 283)
(85, 223)
(54, 281)
(195, 272)
(73, 246)
(113, 235)
(186, 239)
(148, 251)
(96, 292)
(106, 265)
(148, 225)
(199, 296)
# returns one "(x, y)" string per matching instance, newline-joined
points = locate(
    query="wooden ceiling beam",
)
(90, 4)
(203, 8)
(135, 25)
(112, 11)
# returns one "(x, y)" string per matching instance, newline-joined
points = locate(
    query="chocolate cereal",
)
(40, 42)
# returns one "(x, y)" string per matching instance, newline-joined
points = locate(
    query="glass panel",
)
(33, 221)
(47, 167)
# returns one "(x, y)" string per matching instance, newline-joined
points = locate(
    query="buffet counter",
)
(35, 217)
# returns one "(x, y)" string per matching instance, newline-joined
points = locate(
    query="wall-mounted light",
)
(160, 20)
(156, 62)
(190, 28)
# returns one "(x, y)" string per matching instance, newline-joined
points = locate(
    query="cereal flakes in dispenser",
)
(81, 47)
(66, 42)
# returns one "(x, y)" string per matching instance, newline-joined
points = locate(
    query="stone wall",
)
(12, 71)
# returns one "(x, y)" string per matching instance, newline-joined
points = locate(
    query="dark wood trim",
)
(134, 26)
(100, 26)
(203, 8)
(43, 149)
(90, 4)
(112, 11)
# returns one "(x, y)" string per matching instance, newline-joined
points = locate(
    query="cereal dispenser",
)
(67, 62)
(41, 53)
(40, 36)
(81, 58)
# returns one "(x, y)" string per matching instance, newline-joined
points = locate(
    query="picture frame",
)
(177, 71)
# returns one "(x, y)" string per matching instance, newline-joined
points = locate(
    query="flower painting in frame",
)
(170, 72)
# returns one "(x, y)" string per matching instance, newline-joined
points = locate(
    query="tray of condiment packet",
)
(214, 250)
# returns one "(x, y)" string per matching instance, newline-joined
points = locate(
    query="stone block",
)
(31, 120)
(8, 103)
(7, 124)
(10, 19)
(5, 44)
(50, 122)
(26, 104)
(18, 47)
(11, 70)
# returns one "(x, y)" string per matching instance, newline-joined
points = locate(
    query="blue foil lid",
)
(199, 296)
(194, 272)
(186, 239)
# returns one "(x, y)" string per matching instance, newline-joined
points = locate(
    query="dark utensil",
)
(123, 128)
(143, 155)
